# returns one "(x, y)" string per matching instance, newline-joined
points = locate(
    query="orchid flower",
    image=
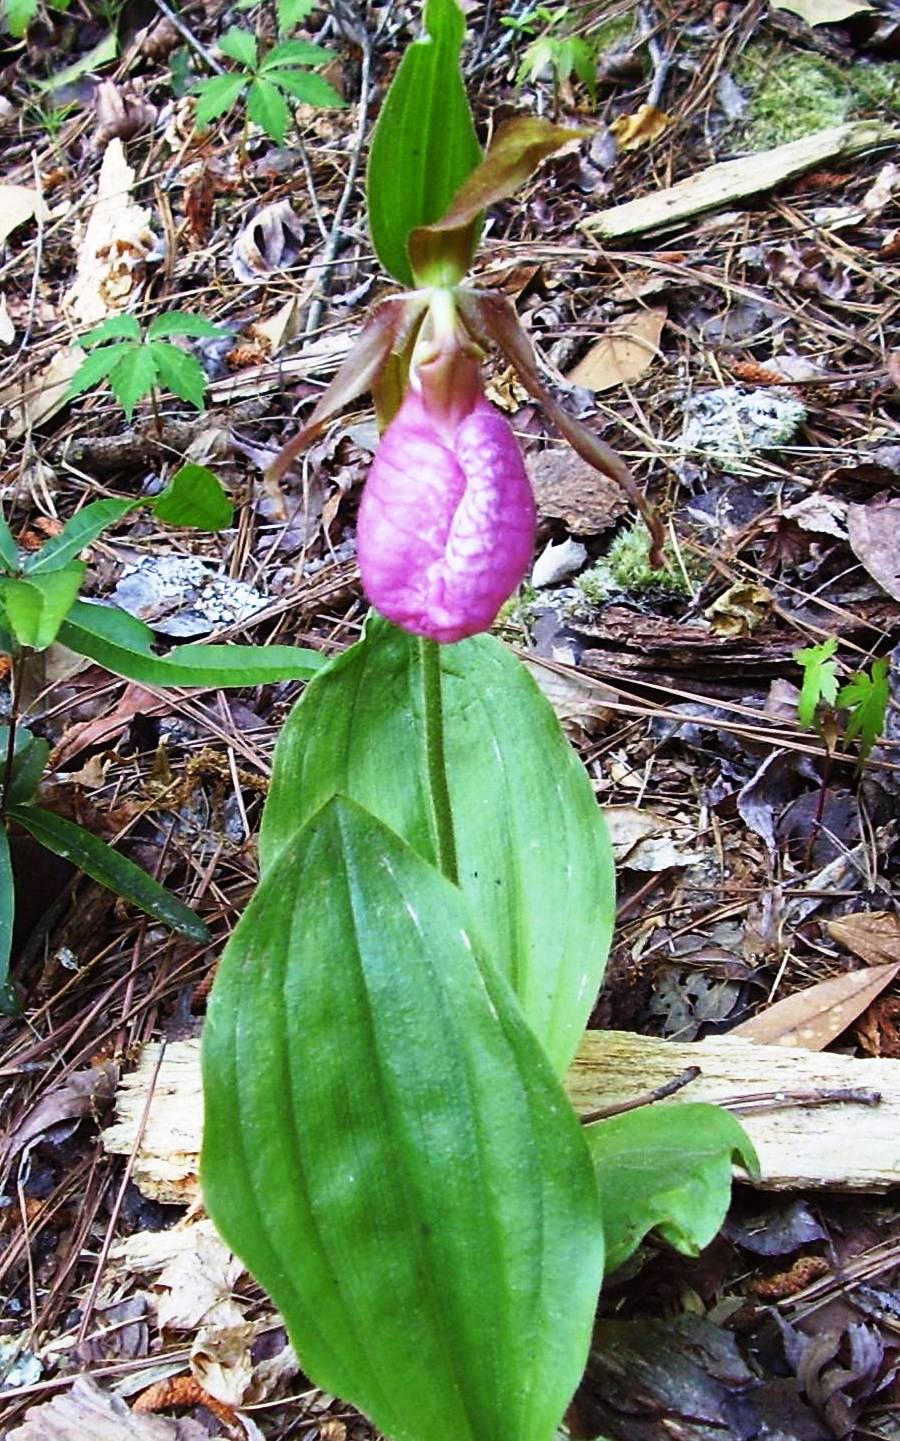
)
(447, 519)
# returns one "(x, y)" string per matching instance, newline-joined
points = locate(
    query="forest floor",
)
(746, 361)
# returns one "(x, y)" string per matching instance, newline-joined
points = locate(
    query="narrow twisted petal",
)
(447, 521)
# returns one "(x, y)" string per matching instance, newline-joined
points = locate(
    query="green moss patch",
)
(793, 93)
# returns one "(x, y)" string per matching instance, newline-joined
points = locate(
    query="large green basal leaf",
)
(424, 145)
(388, 1150)
(533, 856)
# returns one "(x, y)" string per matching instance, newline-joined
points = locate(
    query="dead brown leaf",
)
(623, 357)
(739, 611)
(18, 203)
(874, 936)
(823, 12)
(122, 111)
(116, 245)
(566, 488)
(82, 1094)
(813, 1018)
(87, 1412)
(271, 241)
(874, 531)
(645, 125)
(102, 730)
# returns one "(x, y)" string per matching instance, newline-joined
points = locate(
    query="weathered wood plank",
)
(836, 1146)
(733, 180)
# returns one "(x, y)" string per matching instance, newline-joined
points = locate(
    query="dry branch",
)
(802, 1143)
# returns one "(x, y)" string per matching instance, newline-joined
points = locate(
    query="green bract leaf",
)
(517, 148)
(97, 367)
(125, 646)
(133, 377)
(533, 857)
(820, 680)
(116, 327)
(292, 12)
(216, 96)
(268, 108)
(867, 697)
(37, 607)
(309, 88)
(297, 52)
(9, 1004)
(194, 496)
(424, 145)
(179, 372)
(109, 867)
(666, 1168)
(240, 45)
(387, 1148)
(77, 533)
(9, 551)
(183, 322)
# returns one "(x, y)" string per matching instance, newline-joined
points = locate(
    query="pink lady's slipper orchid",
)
(447, 519)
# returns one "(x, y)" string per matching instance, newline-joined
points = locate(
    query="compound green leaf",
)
(240, 45)
(97, 366)
(216, 96)
(424, 144)
(268, 108)
(109, 867)
(297, 52)
(533, 856)
(18, 15)
(115, 327)
(179, 372)
(125, 646)
(133, 377)
(194, 496)
(388, 1150)
(184, 322)
(307, 87)
(666, 1168)
(37, 606)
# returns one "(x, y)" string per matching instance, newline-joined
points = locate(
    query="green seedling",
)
(138, 363)
(288, 69)
(865, 696)
(18, 14)
(550, 49)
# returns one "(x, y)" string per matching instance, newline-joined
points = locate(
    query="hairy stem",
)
(432, 692)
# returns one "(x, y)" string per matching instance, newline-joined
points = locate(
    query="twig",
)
(659, 58)
(317, 304)
(773, 1100)
(659, 1093)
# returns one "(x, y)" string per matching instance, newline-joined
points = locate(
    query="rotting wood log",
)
(805, 1140)
(733, 180)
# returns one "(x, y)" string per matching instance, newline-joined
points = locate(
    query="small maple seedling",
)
(865, 695)
(286, 69)
(135, 363)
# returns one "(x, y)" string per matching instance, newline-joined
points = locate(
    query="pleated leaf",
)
(533, 856)
(388, 1150)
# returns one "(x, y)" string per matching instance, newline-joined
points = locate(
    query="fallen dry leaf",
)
(103, 729)
(623, 357)
(88, 1412)
(115, 247)
(739, 611)
(576, 699)
(280, 328)
(195, 1288)
(645, 125)
(221, 1362)
(82, 1094)
(874, 936)
(121, 112)
(32, 399)
(271, 241)
(642, 841)
(18, 203)
(823, 12)
(882, 190)
(813, 1018)
(874, 531)
(566, 488)
(7, 329)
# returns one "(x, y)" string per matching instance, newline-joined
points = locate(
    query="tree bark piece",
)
(804, 1142)
(733, 180)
